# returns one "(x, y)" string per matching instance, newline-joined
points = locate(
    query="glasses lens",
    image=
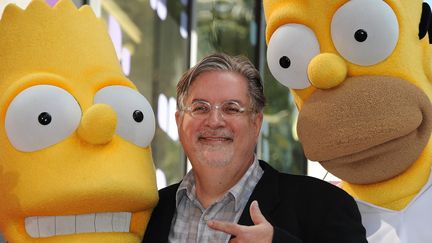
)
(231, 108)
(200, 108)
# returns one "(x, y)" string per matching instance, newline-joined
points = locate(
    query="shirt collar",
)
(187, 186)
(240, 188)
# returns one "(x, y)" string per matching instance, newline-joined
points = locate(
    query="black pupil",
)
(285, 62)
(360, 35)
(44, 118)
(138, 116)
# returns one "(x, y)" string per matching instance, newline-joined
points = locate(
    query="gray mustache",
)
(215, 133)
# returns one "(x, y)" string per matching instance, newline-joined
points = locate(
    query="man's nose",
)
(215, 118)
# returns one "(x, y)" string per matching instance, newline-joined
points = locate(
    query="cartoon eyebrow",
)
(425, 22)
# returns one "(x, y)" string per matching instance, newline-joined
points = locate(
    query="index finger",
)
(229, 228)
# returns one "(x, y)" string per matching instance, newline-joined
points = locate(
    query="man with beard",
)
(219, 116)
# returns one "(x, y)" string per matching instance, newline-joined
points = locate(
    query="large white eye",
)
(41, 116)
(289, 52)
(365, 32)
(136, 122)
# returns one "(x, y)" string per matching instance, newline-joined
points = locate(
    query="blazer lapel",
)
(159, 227)
(169, 212)
(265, 192)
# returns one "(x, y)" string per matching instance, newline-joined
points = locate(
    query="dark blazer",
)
(300, 208)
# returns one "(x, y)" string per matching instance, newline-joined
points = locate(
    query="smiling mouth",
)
(48, 226)
(215, 139)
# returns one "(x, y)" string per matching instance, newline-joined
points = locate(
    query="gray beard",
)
(208, 160)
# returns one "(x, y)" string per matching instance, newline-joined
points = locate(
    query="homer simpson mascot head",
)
(75, 161)
(360, 72)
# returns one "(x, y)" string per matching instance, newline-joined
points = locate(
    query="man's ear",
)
(258, 121)
(425, 22)
(178, 118)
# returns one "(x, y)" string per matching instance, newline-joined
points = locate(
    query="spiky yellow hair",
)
(60, 40)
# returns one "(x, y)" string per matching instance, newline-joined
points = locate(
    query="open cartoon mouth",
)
(48, 226)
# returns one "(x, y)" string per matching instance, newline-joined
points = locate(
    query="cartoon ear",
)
(425, 22)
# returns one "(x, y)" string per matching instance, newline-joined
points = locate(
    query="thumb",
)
(256, 215)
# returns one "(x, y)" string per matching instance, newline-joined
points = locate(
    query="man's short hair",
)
(225, 63)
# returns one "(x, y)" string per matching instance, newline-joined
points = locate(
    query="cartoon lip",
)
(370, 125)
(47, 226)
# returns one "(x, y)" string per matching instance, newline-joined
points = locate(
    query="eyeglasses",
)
(201, 109)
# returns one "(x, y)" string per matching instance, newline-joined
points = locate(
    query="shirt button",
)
(206, 218)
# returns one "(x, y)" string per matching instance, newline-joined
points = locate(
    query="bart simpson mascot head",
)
(75, 161)
(360, 72)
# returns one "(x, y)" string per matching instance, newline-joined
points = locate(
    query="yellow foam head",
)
(75, 157)
(360, 76)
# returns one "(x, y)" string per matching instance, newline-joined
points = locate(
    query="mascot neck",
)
(396, 192)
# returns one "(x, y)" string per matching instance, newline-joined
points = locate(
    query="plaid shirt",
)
(189, 223)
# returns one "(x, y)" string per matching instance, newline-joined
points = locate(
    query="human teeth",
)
(38, 227)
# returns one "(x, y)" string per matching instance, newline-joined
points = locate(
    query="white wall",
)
(21, 3)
